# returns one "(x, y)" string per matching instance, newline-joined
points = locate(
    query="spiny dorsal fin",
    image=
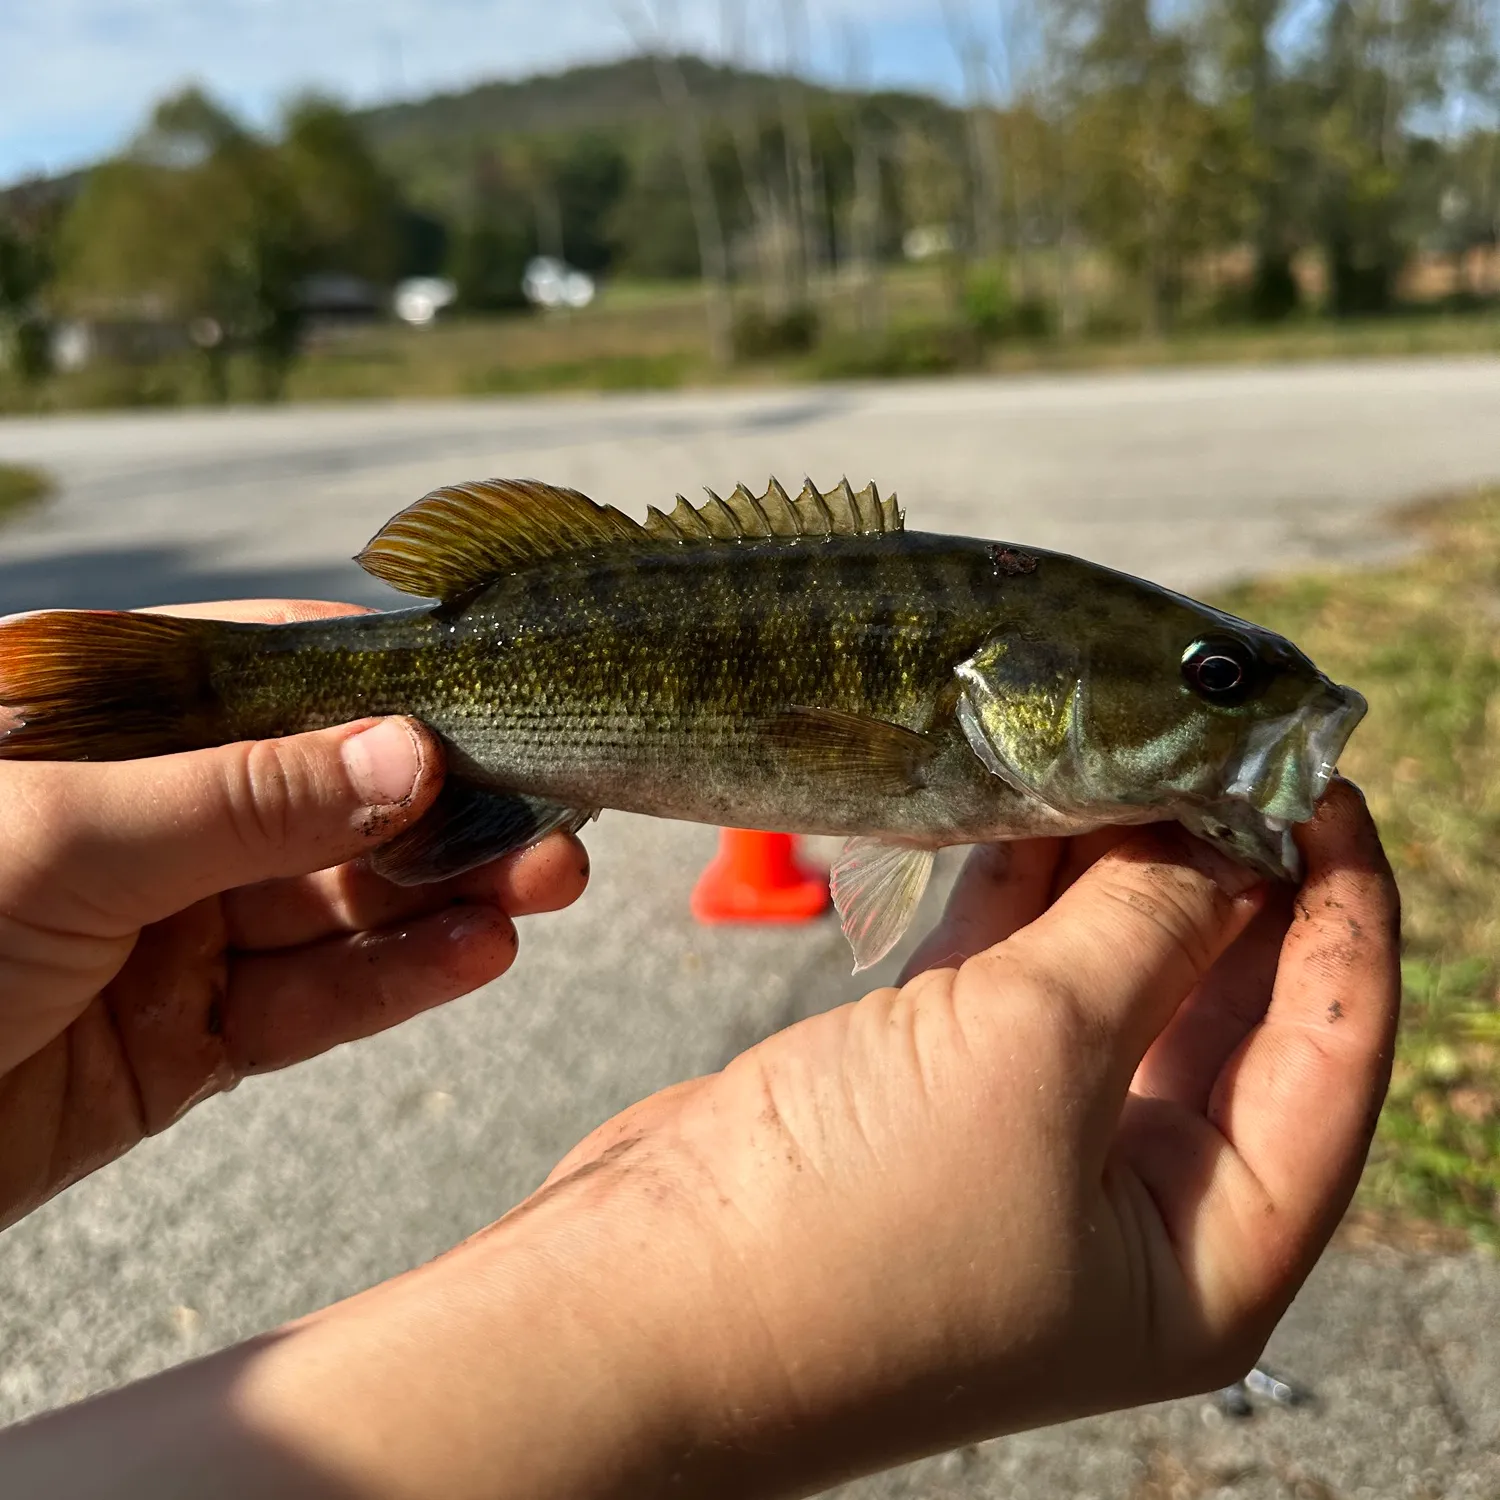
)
(747, 517)
(462, 536)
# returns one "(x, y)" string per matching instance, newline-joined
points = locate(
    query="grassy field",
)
(654, 336)
(1421, 639)
(20, 489)
(659, 342)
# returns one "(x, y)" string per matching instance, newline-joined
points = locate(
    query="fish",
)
(798, 664)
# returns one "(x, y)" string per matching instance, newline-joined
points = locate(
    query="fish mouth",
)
(1287, 763)
(1281, 777)
(1326, 740)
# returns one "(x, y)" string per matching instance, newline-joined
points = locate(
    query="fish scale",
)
(804, 664)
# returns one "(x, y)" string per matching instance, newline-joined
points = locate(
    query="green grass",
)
(1421, 639)
(616, 372)
(21, 489)
(647, 336)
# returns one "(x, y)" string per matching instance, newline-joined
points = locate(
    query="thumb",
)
(139, 840)
(1129, 940)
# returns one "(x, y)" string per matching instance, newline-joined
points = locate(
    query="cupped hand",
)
(168, 926)
(1082, 1158)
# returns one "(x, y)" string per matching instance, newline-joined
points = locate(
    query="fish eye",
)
(1221, 669)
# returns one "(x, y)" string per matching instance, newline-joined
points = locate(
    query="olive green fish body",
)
(805, 665)
(660, 682)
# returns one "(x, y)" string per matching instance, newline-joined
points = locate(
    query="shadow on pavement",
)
(138, 577)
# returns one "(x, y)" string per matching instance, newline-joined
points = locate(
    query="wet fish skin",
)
(646, 681)
(806, 666)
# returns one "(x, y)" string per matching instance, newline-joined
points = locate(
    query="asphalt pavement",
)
(303, 1187)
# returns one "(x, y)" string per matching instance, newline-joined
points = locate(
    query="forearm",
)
(550, 1357)
(684, 1316)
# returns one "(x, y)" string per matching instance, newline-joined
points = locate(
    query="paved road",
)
(298, 1189)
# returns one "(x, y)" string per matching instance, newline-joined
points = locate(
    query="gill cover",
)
(1019, 710)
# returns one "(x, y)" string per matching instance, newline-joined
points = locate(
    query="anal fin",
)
(877, 888)
(468, 826)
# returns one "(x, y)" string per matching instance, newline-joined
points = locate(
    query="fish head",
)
(1138, 705)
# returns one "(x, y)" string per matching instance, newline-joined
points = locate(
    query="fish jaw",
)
(1279, 781)
(1248, 836)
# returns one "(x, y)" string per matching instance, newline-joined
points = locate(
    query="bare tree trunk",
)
(865, 212)
(1015, 18)
(763, 216)
(644, 25)
(744, 129)
(549, 231)
(865, 235)
(984, 155)
(799, 164)
(985, 150)
(706, 222)
(1070, 315)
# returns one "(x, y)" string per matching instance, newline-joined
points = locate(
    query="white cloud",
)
(77, 75)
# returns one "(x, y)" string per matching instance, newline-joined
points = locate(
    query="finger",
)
(1299, 1101)
(1123, 947)
(281, 1008)
(130, 842)
(353, 898)
(260, 611)
(1000, 889)
(1185, 1061)
(1085, 851)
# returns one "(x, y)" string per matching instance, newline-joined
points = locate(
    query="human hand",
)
(1083, 1158)
(168, 926)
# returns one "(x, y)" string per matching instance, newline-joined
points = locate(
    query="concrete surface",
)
(300, 1188)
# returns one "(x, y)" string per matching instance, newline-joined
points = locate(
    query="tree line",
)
(1113, 162)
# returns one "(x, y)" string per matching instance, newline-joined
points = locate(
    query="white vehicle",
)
(419, 299)
(549, 282)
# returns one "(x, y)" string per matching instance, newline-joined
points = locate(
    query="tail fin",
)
(101, 685)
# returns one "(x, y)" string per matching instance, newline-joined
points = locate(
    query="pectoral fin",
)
(466, 827)
(851, 750)
(877, 888)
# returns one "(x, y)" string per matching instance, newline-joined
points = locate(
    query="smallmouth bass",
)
(799, 664)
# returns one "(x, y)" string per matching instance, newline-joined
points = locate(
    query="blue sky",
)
(77, 76)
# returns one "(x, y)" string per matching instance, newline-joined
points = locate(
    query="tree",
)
(652, 225)
(198, 222)
(488, 255)
(713, 254)
(590, 177)
(933, 196)
(972, 51)
(351, 207)
(1376, 64)
(1259, 110)
(24, 271)
(1160, 180)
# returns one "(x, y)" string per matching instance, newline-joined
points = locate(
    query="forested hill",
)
(595, 149)
(434, 146)
(603, 96)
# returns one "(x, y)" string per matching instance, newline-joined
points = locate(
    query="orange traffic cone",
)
(755, 877)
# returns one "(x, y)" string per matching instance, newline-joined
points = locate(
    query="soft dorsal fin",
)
(463, 535)
(460, 537)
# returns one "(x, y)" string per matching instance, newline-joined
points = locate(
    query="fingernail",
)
(383, 763)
